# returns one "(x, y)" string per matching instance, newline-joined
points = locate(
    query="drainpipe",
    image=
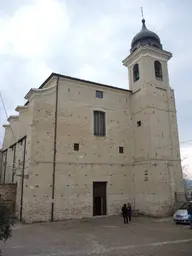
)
(5, 167)
(55, 151)
(13, 174)
(22, 179)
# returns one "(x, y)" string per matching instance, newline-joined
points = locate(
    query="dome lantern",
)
(145, 37)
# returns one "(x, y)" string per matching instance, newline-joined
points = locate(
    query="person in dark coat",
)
(129, 211)
(189, 210)
(125, 213)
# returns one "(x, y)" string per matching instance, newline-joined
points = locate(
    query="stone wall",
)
(157, 167)
(13, 150)
(147, 173)
(98, 158)
(8, 194)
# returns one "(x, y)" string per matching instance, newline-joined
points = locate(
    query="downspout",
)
(22, 179)
(55, 151)
(13, 174)
(5, 167)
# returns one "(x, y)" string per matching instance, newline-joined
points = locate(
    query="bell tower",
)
(147, 62)
(157, 165)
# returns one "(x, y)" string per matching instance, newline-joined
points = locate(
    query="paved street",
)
(101, 236)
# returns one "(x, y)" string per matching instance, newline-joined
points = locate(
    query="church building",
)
(79, 149)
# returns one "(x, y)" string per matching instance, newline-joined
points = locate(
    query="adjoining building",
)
(83, 149)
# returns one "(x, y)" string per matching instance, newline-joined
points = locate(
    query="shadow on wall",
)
(8, 195)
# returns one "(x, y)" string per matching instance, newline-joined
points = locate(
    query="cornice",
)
(11, 118)
(146, 51)
(20, 108)
(34, 91)
(6, 125)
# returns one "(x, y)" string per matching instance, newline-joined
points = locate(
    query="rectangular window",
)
(99, 123)
(146, 176)
(120, 150)
(99, 94)
(76, 147)
(139, 123)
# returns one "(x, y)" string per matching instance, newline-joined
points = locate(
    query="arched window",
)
(136, 72)
(158, 69)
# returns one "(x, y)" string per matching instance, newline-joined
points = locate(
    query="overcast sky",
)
(89, 39)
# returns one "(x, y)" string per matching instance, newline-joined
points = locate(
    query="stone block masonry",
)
(8, 194)
(89, 148)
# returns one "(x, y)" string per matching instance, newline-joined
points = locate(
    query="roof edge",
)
(12, 117)
(80, 80)
(53, 74)
(20, 107)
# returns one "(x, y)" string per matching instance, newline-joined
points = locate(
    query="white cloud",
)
(42, 70)
(27, 38)
(32, 28)
(87, 72)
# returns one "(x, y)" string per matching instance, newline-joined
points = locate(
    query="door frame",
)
(101, 182)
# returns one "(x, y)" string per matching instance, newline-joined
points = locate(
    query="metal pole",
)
(22, 180)
(13, 174)
(55, 151)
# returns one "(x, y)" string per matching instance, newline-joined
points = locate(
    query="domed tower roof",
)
(145, 37)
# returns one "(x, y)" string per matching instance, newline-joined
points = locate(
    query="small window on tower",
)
(99, 94)
(158, 69)
(136, 72)
(76, 146)
(121, 150)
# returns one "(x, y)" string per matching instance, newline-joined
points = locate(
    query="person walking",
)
(125, 213)
(189, 210)
(129, 211)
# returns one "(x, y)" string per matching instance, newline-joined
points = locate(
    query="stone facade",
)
(8, 194)
(56, 182)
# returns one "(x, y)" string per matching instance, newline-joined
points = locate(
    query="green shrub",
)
(6, 221)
